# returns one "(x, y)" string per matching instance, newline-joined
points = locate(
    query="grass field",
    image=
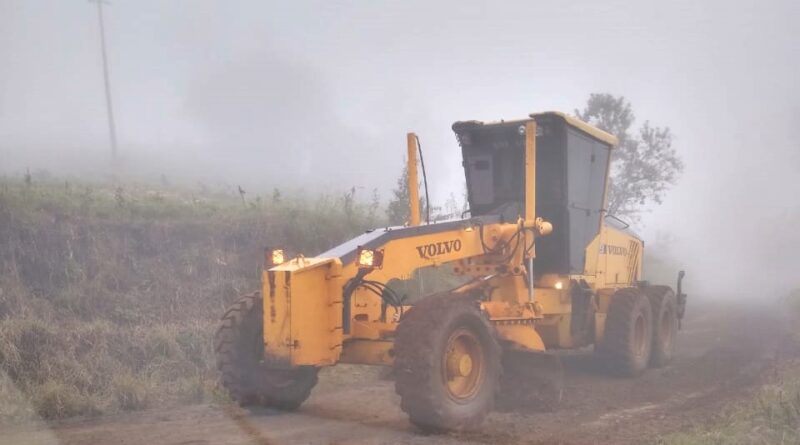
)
(109, 295)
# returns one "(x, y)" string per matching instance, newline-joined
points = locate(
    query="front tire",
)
(238, 344)
(447, 364)
(628, 338)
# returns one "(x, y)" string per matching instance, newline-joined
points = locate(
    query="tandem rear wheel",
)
(665, 323)
(627, 344)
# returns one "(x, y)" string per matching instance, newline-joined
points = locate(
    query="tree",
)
(643, 166)
(398, 212)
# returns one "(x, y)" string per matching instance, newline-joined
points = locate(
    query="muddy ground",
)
(724, 352)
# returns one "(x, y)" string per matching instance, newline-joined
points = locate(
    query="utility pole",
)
(109, 107)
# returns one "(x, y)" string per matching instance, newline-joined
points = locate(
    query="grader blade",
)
(531, 381)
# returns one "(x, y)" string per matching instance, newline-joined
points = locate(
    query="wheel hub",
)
(463, 364)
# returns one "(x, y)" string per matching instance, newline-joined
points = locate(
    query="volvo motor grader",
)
(542, 267)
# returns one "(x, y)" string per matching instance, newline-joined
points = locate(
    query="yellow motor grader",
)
(542, 266)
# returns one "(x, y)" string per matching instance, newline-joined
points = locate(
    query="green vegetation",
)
(773, 416)
(109, 295)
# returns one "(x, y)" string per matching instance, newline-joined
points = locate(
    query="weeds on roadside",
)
(109, 295)
(772, 417)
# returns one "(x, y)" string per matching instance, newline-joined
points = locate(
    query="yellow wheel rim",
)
(463, 365)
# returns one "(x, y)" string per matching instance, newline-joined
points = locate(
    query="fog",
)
(319, 96)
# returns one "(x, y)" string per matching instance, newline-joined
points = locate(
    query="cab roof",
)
(571, 120)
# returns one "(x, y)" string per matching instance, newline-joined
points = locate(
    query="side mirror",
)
(616, 218)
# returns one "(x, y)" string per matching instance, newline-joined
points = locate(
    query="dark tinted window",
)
(586, 168)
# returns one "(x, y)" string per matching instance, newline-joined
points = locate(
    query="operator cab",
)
(572, 162)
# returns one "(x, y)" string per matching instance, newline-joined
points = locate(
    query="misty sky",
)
(313, 94)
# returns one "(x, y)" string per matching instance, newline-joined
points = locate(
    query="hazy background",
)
(319, 95)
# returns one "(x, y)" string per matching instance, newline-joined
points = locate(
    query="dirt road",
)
(724, 352)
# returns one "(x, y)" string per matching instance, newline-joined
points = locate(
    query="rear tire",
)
(665, 324)
(628, 338)
(238, 344)
(447, 364)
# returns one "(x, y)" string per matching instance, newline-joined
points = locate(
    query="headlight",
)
(369, 259)
(274, 257)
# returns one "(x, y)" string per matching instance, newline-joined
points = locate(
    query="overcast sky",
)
(312, 94)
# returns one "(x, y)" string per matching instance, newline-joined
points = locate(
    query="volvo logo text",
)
(441, 248)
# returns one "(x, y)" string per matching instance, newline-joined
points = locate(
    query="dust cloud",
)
(319, 96)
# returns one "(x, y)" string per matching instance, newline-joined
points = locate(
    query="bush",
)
(130, 392)
(54, 399)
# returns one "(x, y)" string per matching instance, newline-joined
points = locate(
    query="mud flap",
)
(530, 381)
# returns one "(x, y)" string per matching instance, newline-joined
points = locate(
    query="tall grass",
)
(109, 294)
